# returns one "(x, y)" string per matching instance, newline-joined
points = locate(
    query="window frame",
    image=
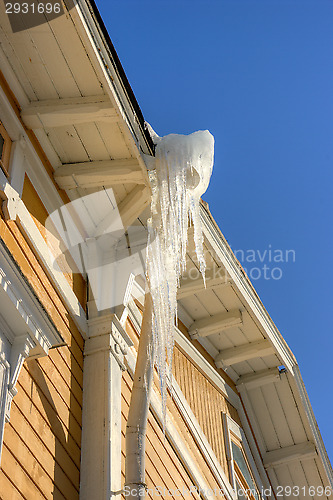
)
(232, 429)
(7, 145)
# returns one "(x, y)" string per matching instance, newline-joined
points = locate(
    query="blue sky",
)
(259, 75)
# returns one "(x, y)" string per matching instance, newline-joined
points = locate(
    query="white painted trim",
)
(186, 319)
(20, 350)
(253, 419)
(233, 427)
(258, 379)
(10, 120)
(29, 160)
(29, 313)
(131, 207)
(6, 337)
(97, 48)
(17, 167)
(104, 353)
(134, 315)
(4, 383)
(227, 443)
(40, 179)
(189, 287)
(12, 80)
(27, 328)
(254, 448)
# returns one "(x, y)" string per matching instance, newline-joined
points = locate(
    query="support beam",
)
(69, 111)
(288, 454)
(133, 205)
(99, 173)
(258, 379)
(189, 286)
(215, 324)
(129, 209)
(243, 353)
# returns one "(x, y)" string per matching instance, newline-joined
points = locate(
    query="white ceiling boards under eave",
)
(70, 102)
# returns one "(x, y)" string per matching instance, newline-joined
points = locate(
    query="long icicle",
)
(183, 169)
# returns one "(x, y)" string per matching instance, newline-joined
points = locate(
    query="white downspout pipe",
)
(194, 153)
(138, 409)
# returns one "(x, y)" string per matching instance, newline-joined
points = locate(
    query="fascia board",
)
(313, 425)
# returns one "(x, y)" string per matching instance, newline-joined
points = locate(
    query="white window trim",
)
(27, 327)
(4, 383)
(32, 317)
(229, 425)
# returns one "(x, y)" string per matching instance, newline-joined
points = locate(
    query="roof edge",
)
(119, 71)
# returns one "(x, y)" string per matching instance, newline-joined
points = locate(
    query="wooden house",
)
(239, 421)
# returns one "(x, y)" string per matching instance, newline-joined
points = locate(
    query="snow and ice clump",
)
(182, 170)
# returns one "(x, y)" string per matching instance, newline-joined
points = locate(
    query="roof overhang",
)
(229, 320)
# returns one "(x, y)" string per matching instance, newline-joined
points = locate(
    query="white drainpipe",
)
(194, 153)
(138, 409)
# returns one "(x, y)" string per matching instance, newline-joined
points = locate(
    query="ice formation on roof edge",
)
(183, 167)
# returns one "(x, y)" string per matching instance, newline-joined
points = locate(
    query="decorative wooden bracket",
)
(19, 352)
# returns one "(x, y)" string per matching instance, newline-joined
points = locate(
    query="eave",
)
(251, 350)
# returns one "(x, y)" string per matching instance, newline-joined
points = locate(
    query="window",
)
(5, 146)
(242, 470)
(243, 476)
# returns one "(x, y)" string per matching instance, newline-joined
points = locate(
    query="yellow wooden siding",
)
(204, 398)
(39, 214)
(41, 451)
(159, 470)
(163, 467)
(206, 402)
(42, 286)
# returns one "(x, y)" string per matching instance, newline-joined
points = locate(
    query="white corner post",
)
(104, 353)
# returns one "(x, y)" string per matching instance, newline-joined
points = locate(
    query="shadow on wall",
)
(51, 396)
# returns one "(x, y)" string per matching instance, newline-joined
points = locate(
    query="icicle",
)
(183, 170)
